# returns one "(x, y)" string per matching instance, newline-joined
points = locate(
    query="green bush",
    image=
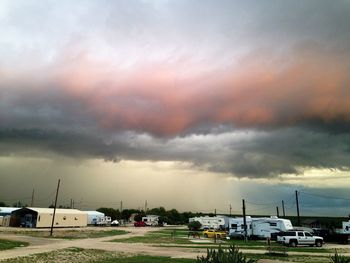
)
(339, 259)
(231, 255)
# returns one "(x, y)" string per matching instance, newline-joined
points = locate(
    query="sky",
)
(193, 105)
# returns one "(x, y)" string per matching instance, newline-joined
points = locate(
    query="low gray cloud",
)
(241, 153)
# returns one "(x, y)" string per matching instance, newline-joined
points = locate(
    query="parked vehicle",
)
(104, 221)
(211, 233)
(139, 224)
(115, 223)
(215, 222)
(295, 238)
(263, 227)
(151, 220)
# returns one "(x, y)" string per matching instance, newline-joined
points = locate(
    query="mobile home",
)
(97, 218)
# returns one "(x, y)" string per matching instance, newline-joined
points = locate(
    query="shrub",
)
(232, 255)
(339, 259)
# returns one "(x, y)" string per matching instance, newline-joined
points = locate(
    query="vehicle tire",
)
(293, 243)
(318, 243)
(206, 235)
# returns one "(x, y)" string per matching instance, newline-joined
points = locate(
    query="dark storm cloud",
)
(248, 88)
(253, 154)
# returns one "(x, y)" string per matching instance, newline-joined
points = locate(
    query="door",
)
(301, 238)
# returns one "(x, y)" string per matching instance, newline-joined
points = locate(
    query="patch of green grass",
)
(9, 244)
(293, 258)
(78, 255)
(91, 234)
(146, 259)
(72, 234)
(153, 239)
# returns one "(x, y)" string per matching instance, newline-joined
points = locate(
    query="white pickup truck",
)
(295, 238)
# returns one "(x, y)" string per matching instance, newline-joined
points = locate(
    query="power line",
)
(326, 196)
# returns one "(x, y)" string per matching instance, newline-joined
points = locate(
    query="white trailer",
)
(345, 228)
(151, 220)
(215, 222)
(236, 227)
(267, 227)
(263, 227)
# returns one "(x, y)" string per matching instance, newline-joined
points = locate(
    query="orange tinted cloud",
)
(168, 99)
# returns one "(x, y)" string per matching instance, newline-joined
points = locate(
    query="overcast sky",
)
(186, 104)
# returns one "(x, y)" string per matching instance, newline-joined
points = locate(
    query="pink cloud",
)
(160, 99)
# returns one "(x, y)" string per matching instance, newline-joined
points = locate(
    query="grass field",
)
(9, 244)
(77, 255)
(71, 234)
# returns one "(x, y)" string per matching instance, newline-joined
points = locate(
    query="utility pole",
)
(71, 203)
(244, 221)
(297, 202)
(32, 202)
(54, 209)
(278, 213)
(284, 213)
(146, 206)
(230, 209)
(121, 206)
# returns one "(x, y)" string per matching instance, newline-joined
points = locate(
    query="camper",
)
(150, 220)
(98, 219)
(263, 227)
(215, 222)
(345, 228)
(236, 227)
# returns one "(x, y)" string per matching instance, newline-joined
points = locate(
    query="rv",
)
(215, 222)
(150, 220)
(264, 227)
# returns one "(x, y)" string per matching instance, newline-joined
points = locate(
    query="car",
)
(210, 233)
(295, 238)
(115, 223)
(139, 224)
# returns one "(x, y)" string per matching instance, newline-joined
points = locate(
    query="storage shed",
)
(42, 217)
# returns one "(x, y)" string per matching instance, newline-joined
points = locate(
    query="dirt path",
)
(41, 245)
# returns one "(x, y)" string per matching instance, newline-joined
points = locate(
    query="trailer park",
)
(25, 234)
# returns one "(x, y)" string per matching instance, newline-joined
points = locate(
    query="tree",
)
(194, 225)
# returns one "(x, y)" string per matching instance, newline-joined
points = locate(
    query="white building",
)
(5, 211)
(42, 217)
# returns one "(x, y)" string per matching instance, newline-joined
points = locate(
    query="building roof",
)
(90, 213)
(8, 209)
(58, 210)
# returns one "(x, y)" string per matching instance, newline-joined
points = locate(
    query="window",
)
(308, 234)
(300, 234)
(234, 226)
(273, 224)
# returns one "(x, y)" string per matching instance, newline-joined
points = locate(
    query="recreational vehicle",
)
(263, 227)
(215, 222)
(150, 220)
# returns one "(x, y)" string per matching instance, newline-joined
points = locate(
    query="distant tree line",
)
(172, 216)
